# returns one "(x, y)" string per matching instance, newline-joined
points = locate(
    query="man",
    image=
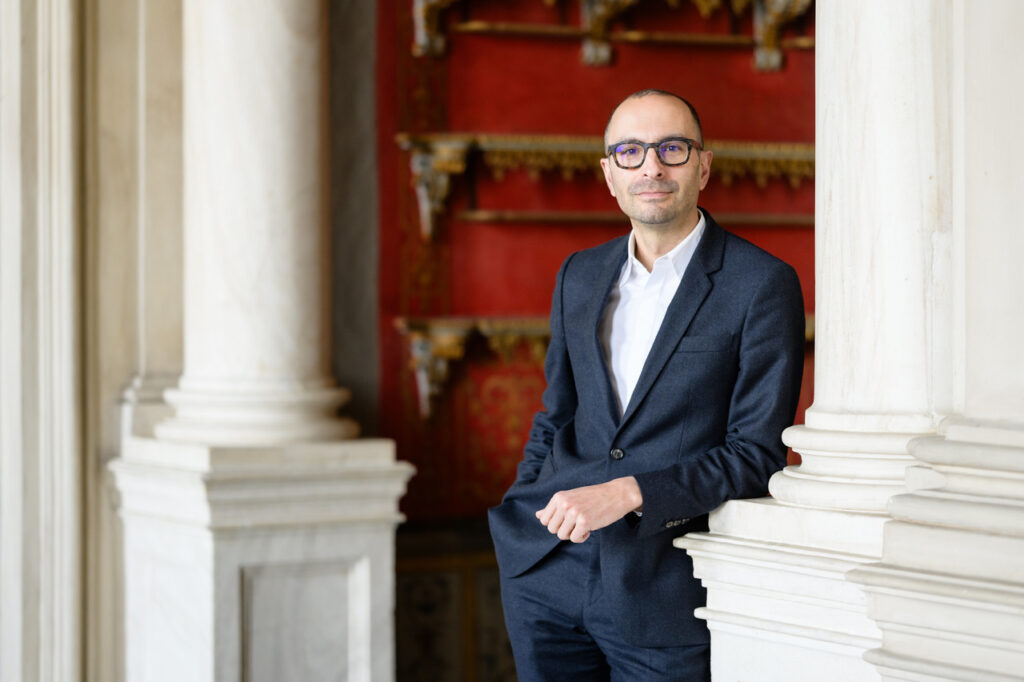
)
(674, 365)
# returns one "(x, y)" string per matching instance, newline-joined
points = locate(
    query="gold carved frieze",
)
(436, 343)
(436, 157)
(763, 162)
(597, 35)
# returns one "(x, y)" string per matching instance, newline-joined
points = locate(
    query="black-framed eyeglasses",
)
(673, 151)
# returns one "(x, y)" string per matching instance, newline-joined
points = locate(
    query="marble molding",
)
(948, 593)
(435, 157)
(596, 34)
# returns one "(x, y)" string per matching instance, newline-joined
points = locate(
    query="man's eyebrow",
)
(630, 140)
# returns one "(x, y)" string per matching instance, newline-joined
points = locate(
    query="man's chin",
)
(654, 220)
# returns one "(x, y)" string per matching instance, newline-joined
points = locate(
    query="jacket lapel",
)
(693, 289)
(603, 283)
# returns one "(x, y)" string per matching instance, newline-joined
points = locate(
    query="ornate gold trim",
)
(597, 17)
(437, 342)
(435, 157)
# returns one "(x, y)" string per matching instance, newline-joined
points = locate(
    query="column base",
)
(259, 563)
(257, 418)
(779, 606)
(856, 471)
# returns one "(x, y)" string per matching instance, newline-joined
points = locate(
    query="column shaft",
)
(882, 252)
(256, 285)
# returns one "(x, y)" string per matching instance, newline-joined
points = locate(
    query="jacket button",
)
(617, 453)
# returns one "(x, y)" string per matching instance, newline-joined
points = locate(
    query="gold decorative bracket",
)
(433, 160)
(427, 38)
(597, 16)
(437, 342)
(769, 18)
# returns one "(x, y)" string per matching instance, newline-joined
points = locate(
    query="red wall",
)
(466, 453)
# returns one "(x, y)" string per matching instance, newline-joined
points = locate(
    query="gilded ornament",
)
(705, 7)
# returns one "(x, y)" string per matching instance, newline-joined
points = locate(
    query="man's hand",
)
(573, 514)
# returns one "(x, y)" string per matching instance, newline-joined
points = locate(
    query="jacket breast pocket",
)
(705, 344)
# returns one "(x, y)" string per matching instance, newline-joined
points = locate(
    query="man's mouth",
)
(651, 191)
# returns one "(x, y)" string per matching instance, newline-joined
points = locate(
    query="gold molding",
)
(437, 342)
(597, 17)
(435, 157)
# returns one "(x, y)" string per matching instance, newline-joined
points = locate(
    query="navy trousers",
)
(560, 630)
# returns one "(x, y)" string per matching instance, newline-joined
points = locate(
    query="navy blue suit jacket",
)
(703, 425)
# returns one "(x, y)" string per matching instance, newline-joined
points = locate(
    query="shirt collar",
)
(679, 256)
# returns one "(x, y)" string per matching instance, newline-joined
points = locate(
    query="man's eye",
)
(672, 147)
(628, 151)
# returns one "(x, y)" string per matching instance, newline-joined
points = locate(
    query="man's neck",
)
(654, 242)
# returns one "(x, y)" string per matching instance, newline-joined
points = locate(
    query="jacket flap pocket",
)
(716, 342)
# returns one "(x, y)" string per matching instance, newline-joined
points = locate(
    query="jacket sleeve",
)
(559, 396)
(763, 403)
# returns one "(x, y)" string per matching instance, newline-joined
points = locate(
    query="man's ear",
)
(705, 167)
(608, 176)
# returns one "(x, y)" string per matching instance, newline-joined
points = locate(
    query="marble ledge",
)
(764, 519)
(235, 487)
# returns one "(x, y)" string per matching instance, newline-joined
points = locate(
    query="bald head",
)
(653, 92)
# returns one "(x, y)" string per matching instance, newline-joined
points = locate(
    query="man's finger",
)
(561, 519)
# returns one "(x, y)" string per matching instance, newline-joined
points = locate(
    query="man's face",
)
(659, 196)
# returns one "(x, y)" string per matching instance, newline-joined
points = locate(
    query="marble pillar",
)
(779, 604)
(948, 593)
(258, 532)
(257, 365)
(42, 552)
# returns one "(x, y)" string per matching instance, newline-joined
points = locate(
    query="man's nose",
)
(652, 166)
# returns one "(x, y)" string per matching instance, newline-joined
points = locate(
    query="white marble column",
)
(257, 367)
(258, 533)
(42, 550)
(948, 594)
(779, 602)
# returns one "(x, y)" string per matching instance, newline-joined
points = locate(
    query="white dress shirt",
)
(636, 308)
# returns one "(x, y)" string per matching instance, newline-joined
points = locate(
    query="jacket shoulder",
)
(596, 259)
(742, 254)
